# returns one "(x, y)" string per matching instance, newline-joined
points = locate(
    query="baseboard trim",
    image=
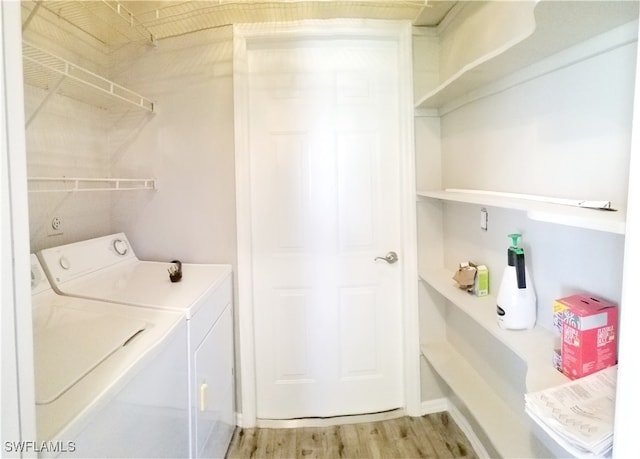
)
(239, 422)
(435, 406)
(462, 422)
(330, 421)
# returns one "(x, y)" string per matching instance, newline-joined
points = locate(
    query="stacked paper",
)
(579, 414)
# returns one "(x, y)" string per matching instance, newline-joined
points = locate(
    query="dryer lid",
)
(69, 343)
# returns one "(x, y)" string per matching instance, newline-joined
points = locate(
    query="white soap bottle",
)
(516, 302)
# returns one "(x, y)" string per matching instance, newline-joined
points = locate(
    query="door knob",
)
(390, 258)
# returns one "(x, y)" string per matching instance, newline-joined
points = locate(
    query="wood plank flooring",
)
(431, 436)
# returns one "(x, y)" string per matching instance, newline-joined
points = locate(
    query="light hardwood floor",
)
(431, 436)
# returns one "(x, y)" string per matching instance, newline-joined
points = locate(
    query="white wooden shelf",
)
(505, 428)
(52, 73)
(73, 184)
(558, 25)
(534, 347)
(592, 219)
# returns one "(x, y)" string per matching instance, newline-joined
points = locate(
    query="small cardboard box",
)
(589, 330)
(481, 281)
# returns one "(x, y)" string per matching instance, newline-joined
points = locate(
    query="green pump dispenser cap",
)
(514, 237)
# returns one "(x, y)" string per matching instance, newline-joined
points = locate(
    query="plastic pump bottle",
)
(516, 302)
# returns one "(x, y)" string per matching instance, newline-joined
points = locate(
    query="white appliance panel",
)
(70, 261)
(214, 402)
(133, 380)
(72, 342)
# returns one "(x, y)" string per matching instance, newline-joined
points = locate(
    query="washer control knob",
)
(120, 247)
(64, 262)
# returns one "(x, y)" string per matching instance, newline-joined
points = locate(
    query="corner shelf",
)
(47, 71)
(71, 184)
(534, 347)
(494, 414)
(579, 217)
(558, 25)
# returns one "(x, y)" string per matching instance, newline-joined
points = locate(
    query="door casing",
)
(244, 34)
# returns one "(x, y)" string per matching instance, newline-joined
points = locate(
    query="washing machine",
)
(107, 269)
(102, 368)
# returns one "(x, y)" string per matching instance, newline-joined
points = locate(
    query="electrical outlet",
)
(55, 227)
(484, 219)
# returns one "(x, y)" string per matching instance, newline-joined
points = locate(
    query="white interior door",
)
(324, 159)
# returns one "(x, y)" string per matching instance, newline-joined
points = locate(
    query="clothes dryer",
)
(107, 269)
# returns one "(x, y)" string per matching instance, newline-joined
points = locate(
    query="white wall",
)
(66, 138)
(187, 145)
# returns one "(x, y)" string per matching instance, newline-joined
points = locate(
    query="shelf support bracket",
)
(33, 12)
(44, 101)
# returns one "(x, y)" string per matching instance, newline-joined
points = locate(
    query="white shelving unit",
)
(75, 184)
(480, 399)
(592, 219)
(534, 347)
(494, 411)
(109, 21)
(59, 76)
(556, 26)
(460, 332)
(47, 71)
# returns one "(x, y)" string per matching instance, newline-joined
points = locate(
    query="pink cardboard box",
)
(589, 331)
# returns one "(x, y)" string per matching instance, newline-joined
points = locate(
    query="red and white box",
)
(589, 335)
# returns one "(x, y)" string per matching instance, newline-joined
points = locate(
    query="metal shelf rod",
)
(76, 184)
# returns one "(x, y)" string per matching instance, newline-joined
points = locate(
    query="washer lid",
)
(69, 343)
(146, 283)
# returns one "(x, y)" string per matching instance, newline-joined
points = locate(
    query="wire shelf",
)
(47, 71)
(73, 184)
(108, 21)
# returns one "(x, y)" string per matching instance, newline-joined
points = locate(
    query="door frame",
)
(244, 35)
(18, 419)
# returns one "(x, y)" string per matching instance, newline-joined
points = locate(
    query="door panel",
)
(324, 142)
(357, 158)
(358, 332)
(291, 177)
(291, 336)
